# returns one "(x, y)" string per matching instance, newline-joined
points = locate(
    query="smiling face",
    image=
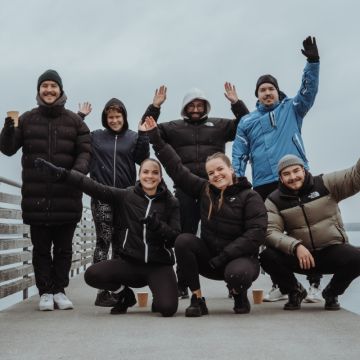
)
(196, 109)
(267, 94)
(220, 173)
(150, 176)
(293, 177)
(115, 119)
(49, 91)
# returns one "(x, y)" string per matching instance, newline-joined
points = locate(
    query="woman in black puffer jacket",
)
(233, 226)
(151, 223)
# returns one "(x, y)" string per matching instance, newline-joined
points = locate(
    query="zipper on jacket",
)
(307, 223)
(144, 229)
(50, 160)
(272, 119)
(114, 163)
(125, 238)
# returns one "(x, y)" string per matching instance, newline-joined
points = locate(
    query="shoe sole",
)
(46, 308)
(274, 300)
(59, 307)
(193, 314)
(312, 301)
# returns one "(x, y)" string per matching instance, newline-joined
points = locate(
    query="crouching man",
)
(305, 231)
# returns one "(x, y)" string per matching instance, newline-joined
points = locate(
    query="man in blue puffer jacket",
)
(272, 131)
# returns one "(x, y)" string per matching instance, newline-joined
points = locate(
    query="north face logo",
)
(208, 123)
(313, 195)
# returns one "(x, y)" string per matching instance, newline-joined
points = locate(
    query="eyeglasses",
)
(193, 106)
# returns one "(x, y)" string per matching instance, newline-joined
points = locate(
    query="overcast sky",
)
(126, 49)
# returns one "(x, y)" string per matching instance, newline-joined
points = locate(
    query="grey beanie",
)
(289, 160)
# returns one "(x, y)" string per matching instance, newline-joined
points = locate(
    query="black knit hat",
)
(50, 75)
(266, 79)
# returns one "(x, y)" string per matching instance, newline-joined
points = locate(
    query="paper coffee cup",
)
(258, 295)
(15, 116)
(142, 299)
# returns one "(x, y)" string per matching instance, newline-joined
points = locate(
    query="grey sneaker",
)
(314, 294)
(62, 302)
(46, 302)
(275, 295)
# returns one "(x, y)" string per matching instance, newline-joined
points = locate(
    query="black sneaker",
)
(197, 307)
(183, 293)
(105, 299)
(331, 300)
(296, 296)
(241, 303)
(126, 299)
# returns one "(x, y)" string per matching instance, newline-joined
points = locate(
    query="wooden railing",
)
(16, 270)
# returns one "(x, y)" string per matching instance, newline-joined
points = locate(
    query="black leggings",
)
(161, 279)
(193, 257)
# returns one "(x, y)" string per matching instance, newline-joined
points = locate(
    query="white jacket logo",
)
(313, 195)
(208, 123)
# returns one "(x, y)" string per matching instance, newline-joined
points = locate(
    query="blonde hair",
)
(226, 160)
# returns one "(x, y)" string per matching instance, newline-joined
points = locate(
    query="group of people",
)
(289, 213)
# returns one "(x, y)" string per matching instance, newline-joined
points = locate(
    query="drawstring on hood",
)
(192, 95)
(116, 103)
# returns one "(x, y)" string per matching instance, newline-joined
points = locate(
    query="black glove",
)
(310, 50)
(217, 261)
(9, 125)
(152, 221)
(54, 172)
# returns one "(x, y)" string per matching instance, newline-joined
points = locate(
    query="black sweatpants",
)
(193, 257)
(52, 269)
(161, 279)
(342, 260)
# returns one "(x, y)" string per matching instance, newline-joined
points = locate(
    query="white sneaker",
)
(62, 302)
(314, 294)
(46, 302)
(275, 295)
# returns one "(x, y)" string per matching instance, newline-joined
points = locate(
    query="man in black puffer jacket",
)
(194, 138)
(52, 210)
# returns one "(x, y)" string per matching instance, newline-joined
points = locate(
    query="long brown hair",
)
(226, 160)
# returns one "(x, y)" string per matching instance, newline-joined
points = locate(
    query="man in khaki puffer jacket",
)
(306, 233)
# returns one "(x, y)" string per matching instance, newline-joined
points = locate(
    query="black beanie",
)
(266, 79)
(50, 75)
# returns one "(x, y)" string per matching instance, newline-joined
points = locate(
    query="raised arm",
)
(153, 109)
(180, 174)
(305, 97)
(238, 108)
(85, 109)
(11, 137)
(344, 183)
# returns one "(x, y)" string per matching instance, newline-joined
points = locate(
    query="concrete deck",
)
(89, 332)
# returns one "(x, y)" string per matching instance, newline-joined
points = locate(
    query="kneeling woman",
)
(233, 226)
(149, 215)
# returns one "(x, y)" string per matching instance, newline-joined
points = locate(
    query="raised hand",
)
(160, 96)
(148, 124)
(230, 93)
(310, 49)
(85, 108)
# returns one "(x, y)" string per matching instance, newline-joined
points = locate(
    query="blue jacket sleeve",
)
(240, 152)
(305, 97)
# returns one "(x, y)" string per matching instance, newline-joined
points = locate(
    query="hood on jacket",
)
(190, 96)
(117, 103)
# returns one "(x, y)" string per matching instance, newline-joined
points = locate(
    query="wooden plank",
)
(14, 229)
(9, 244)
(86, 246)
(10, 214)
(10, 199)
(16, 272)
(16, 286)
(87, 223)
(11, 258)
